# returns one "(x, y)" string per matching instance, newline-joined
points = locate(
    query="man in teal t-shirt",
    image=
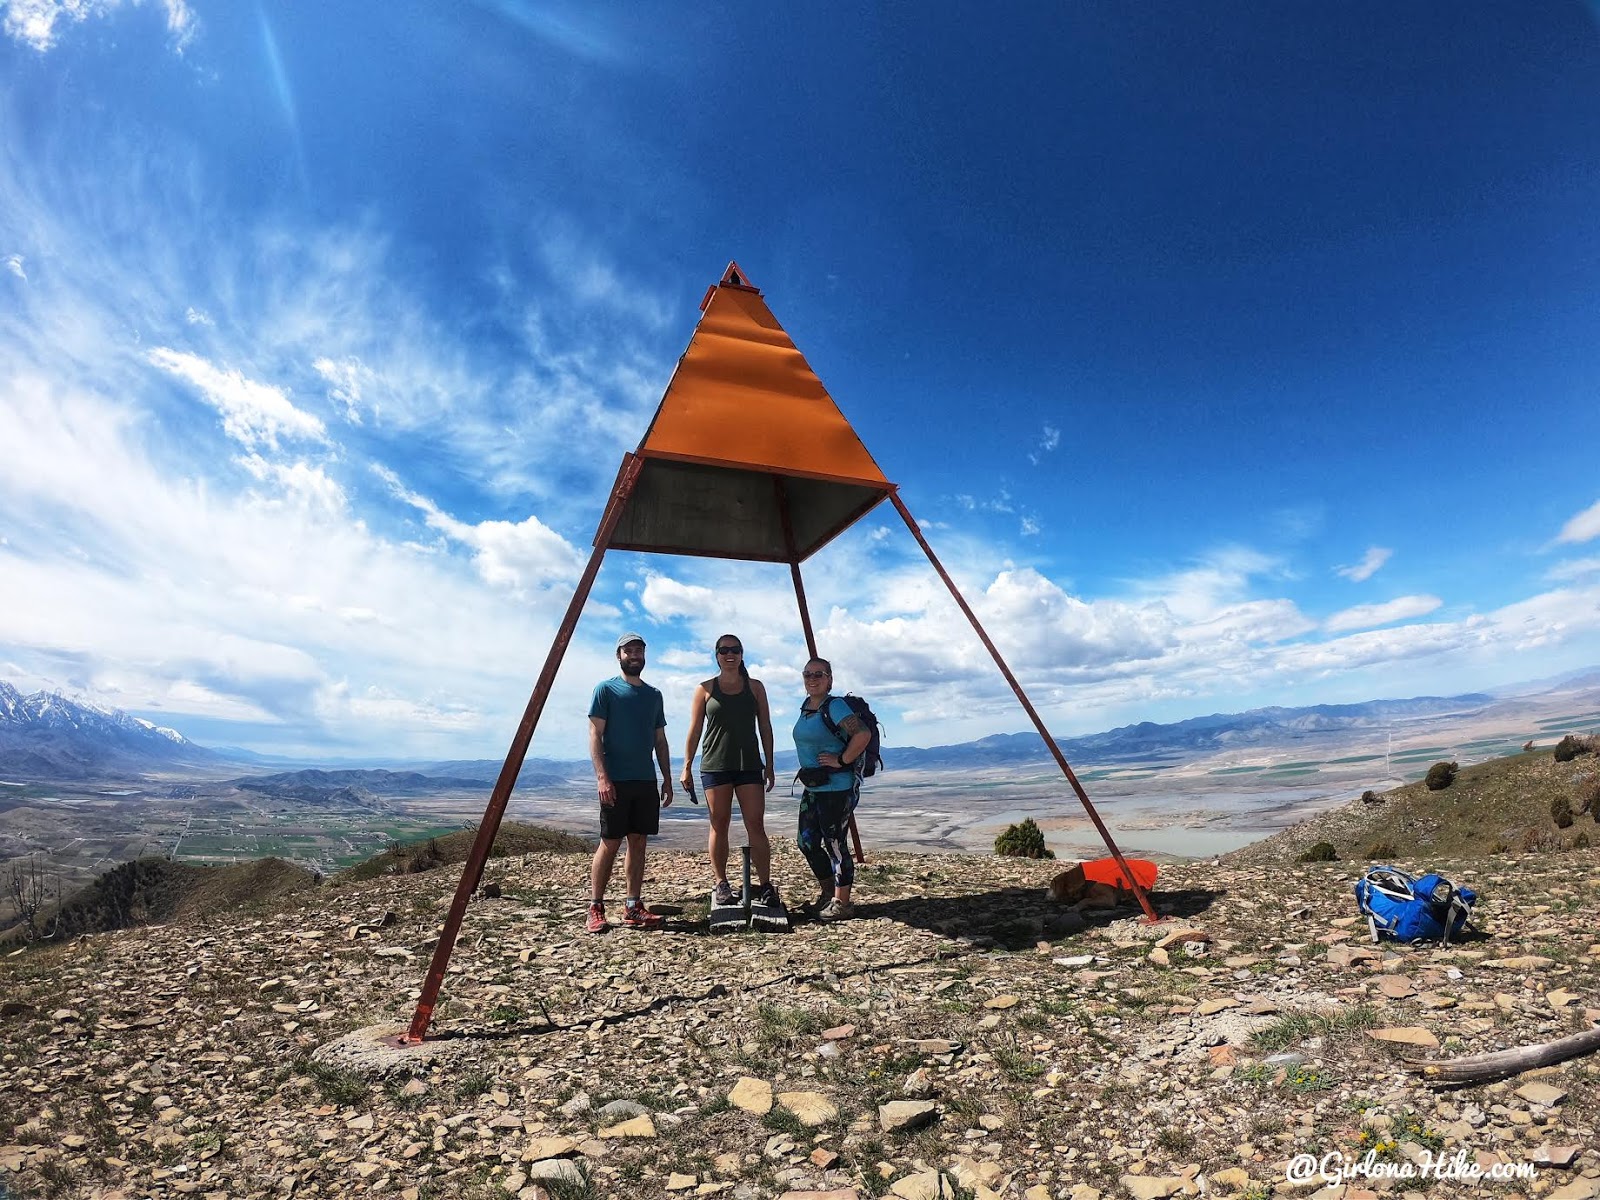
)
(627, 726)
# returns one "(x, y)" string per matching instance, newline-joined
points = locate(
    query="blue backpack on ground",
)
(872, 757)
(1413, 908)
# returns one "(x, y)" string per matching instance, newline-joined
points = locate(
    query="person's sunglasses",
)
(814, 674)
(730, 649)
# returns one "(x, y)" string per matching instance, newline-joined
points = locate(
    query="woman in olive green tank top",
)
(733, 709)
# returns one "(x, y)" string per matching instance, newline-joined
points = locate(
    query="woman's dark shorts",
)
(711, 779)
(637, 810)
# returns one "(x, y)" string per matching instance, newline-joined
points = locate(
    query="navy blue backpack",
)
(1425, 908)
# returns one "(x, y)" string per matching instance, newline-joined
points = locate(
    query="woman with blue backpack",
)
(829, 740)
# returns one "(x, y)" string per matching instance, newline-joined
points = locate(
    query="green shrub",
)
(1561, 812)
(1024, 840)
(1321, 852)
(1440, 776)
(1581, 842)
(1382, 851)
(1371, 797)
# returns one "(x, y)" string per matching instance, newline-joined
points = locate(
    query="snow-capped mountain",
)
(48, 735)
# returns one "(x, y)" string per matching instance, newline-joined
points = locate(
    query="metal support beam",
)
(794, 563)
(1049, 741)
(472, 872)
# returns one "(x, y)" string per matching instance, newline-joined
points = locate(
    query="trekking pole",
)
(746, 884)
(855, 841)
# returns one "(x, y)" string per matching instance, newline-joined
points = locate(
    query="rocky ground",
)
(962, 1037)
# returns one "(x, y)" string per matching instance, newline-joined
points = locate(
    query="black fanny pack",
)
(815, 776)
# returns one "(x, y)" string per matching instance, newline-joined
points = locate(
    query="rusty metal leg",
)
(1049, 741)
(794, 564)
(472, 872)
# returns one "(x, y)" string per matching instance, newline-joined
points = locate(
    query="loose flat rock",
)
(752, 1095)
(1152, 1187)
(562, 1170)
(1405, 1035)
(1555, 1156)
(638, 1127)
(549, 1147)
(810, 1108)
(900, 1115)
(925, 1185)
(1538, 1092)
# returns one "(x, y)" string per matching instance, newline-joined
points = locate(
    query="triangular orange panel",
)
(746, 441)
(744, 396)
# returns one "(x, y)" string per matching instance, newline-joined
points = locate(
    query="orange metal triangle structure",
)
(748, 456)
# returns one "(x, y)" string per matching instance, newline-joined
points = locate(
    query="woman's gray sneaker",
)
(838, 910)
(723, 895)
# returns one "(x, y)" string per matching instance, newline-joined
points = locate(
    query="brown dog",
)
(1070, 887)
(1100, 886)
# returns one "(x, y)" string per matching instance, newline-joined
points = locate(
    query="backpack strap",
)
(828, 722)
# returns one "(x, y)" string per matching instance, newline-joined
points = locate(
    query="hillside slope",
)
(1492, 807)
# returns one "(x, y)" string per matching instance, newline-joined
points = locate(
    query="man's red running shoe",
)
(597, 922)
(637, 916)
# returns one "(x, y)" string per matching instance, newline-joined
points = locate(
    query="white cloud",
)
(999, 503)
(253, 414)
(1369, 565)
(1583, 527)
(34, 22)
(14, 265)
(1577, 568)
(299, 482)
(522, 556)
(1030, 527)
(1048, 441)
(1366, 616)
(1221, 578)
(666, 599)
(195, 317)
(346, 380)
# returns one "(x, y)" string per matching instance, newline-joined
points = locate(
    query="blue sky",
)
(1231, 354)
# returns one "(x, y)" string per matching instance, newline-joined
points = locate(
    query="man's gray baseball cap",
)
(629, 637)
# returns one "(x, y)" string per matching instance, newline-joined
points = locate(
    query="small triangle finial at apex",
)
(735, 277)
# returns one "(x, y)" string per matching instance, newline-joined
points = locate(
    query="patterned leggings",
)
(824, 834)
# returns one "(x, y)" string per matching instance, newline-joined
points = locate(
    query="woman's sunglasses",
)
(730, 649)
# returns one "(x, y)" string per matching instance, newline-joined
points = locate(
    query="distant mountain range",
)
(1185, 739)
(46, 736)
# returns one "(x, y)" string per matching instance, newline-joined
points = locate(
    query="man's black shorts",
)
(637, 810)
